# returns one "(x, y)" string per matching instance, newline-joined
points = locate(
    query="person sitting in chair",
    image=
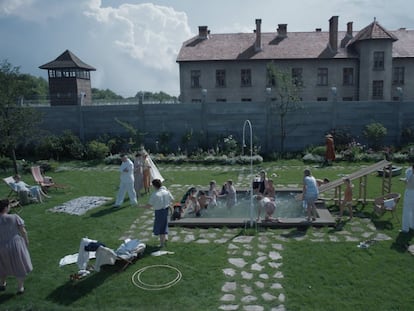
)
(26, 192)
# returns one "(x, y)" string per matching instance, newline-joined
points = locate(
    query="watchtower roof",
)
(67, 60)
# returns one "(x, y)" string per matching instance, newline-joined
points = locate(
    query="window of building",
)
(348, 76)
(195, 78)
(246, 99)
(220, 78)
(322, 99)
(196, 100)
(377, 89)
(378, 60)
(270, 78)
(347, 99)
(398, 75)
(246, 77)
(297, 78)
(322, 76)
(221, 100)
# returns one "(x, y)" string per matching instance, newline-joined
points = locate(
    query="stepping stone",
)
(229, 307)
(247, 275)
(229, 287)
(264, 276)
(257, 267)
(230, 272)
(275, 256)
(247, 253)
(278, 275)
(247, 289)
(243, 239)
(253, 308)
(268, 297)
(248, 299)
(276, 286)
(259, 284)
(275, 265)
(238, 262)
(228, 297)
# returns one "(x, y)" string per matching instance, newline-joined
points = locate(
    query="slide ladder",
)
(362, 176)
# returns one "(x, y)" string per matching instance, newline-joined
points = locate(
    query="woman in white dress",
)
(408, 207)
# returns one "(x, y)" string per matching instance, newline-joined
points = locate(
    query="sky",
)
(134, 44)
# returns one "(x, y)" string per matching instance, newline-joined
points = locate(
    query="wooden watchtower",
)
(69, 80)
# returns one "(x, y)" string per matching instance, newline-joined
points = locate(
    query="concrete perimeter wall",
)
(208, 121)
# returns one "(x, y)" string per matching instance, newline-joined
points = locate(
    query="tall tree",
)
(17, 123)
(287, 89)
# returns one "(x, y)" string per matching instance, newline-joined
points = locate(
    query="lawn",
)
(325, 275)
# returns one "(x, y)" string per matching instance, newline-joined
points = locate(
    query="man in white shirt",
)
(127, 182)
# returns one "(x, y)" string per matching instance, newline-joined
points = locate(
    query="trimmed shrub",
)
(96, 150)
(375, 133)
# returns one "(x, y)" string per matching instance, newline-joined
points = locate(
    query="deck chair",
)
(9, 181)
(45, 182)
(387, 203)
(127, 253)
(21, 197)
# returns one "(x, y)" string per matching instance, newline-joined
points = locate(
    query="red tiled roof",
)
(67, 60)
(296, 45)
(373, 31)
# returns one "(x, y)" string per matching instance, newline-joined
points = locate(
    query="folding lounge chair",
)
(9, 181)
(21, 197)
(387, 203)
(43, 181)
(128, 253)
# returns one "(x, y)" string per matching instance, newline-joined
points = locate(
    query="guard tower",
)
(69, 80)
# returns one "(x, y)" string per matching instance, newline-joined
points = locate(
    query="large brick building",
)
(373, 64)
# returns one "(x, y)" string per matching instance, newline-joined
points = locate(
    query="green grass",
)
(317, 275)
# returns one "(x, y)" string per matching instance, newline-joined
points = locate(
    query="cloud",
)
(146, 36)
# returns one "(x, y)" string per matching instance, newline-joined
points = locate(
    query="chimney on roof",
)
(258, 42)
(203, 32)
(282, 30)
(349, 29)
(333, 33)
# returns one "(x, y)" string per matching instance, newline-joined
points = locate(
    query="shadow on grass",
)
(71, 291)
(339, 226)
(300, 231)
(4, 297)
(107, 211)
(402, 241)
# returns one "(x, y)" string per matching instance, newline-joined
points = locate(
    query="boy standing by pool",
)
(347, 201)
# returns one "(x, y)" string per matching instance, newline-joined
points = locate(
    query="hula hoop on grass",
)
(136, 278)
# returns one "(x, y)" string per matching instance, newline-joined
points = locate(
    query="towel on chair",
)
(389, 204)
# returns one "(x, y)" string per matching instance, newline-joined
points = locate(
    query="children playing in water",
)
(230, 194)
(191, 205)
(347, 201)
(269, 207)
(270, 190)
(212, 194)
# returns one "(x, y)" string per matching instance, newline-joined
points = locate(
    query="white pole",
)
(247, 122)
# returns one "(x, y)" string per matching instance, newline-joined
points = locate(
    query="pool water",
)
(287, 206)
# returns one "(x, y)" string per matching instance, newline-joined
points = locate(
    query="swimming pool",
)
(289, 210)
(286, 207)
